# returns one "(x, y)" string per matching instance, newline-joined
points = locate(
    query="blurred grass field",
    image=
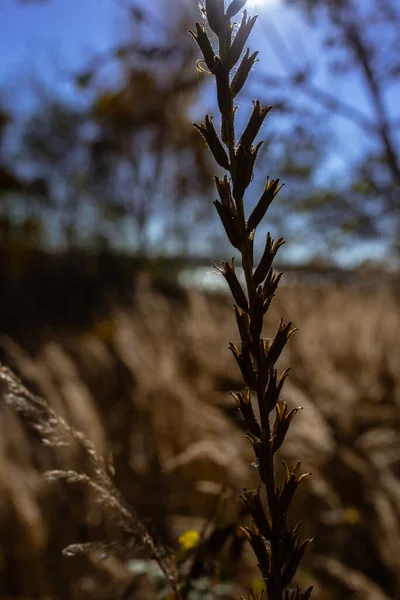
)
(149, 379)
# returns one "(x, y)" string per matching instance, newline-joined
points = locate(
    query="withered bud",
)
(243, 360)
(281, 425)
(253, 501)
(228, 271)
(244, 402)
(260, 549)
(243, 72)
(273, 389)
(224, 191)
(263, 267)
(290, 568)
(289, 487)
(229, 223)
(245, 159)
(278, 343)
(240, 39)
(269, 288)
(207, 130)
(253, 126)
(270, 191)
(204, 44)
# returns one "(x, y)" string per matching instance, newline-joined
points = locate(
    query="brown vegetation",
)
(143, 383)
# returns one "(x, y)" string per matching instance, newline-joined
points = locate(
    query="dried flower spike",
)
(277, 546)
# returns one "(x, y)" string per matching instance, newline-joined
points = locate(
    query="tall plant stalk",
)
(277, 545)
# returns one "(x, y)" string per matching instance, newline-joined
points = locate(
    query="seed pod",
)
(278, 343)
(245, 159)
(269, 287)
(228, 271)
(204, 44)
(240, 40)
(229, 224)
(242, 73)
(253, 126)
(263, 267)
(269, 193)
(250, 419)
(281, 425)
(207, 130)
(224, 191)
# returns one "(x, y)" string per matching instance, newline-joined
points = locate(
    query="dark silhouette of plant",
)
(277, 545)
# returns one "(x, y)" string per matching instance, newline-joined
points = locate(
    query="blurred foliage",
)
(174, 439)
(360, 45)
(122, 165)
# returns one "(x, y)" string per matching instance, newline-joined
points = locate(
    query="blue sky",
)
(46, 38)
(30, 30)
(50, 39)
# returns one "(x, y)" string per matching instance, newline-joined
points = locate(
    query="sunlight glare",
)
(259, 3)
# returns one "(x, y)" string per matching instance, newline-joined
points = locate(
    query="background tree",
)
(121, 162)
(360, 45)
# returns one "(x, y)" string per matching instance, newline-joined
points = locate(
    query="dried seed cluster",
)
(277, 545)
